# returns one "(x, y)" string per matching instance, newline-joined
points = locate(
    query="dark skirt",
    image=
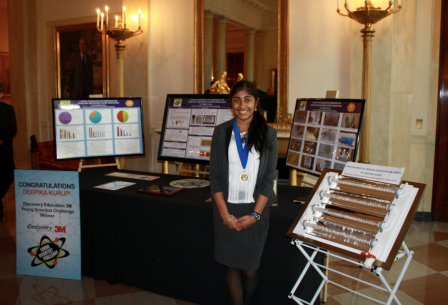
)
(240, 250)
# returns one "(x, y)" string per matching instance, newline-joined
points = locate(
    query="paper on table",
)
(133, 176)
(116, 185)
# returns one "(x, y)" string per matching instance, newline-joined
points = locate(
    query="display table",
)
(165, 244)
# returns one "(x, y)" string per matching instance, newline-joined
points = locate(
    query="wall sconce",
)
(119, 33)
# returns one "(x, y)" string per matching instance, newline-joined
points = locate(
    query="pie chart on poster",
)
(65, 117)
(122, 116)
(95, 117)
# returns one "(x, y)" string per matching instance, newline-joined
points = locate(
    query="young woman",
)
(243, 160)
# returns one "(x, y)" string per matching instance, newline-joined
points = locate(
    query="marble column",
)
(219, 59)
(208, 41)
(249, 55)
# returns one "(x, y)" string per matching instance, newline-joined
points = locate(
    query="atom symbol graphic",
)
(48, 252)
(50, 295)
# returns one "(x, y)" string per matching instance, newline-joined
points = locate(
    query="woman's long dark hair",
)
(258, 129)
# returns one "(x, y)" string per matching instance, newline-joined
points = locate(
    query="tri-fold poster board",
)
(325, 134)
(92, 128)
(188, 126)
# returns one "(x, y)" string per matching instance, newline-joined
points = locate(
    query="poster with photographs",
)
(188, 126)
(325, 134)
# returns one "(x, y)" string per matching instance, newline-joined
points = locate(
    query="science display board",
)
(363, 212)
(93, 128)
(188, 126)
(325, 134)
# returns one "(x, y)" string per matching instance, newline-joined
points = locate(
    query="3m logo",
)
(59, 229)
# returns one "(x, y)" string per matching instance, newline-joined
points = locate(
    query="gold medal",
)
(244, 177)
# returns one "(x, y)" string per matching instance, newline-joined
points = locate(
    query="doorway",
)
(440, 189)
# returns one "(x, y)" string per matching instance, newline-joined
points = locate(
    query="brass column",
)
(367, 39)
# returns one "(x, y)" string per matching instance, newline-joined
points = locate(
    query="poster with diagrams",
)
(97, 128)
(324, 134)
(188, 126)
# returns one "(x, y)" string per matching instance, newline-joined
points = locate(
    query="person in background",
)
(80, 75)
(261, 93)
(8, 129)
(243, 160)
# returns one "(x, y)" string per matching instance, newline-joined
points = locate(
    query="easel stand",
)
(378, 270)
(80, 167)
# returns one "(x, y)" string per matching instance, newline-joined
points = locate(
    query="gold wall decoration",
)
(220, 86)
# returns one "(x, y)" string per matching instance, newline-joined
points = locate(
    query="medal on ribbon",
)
(243, 152)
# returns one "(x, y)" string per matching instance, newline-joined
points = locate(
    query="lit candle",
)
(98, 18)
(142, 16)
(139, 18)
(338, 4)
(116, 20)
(399, 2)
(124, 15)
(102, 15)
(107, 15)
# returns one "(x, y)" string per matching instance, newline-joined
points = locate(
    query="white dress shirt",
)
(242, 192)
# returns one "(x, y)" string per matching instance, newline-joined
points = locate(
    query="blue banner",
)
(48, 223)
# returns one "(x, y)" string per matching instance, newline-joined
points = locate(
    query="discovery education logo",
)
(48, 252)
(39, 228)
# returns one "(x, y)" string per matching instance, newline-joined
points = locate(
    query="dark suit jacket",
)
(219, 163)
(8, 129)
(78, 80)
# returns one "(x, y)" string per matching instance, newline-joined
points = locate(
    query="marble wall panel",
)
(422, 65)
(400, 133)
(355, 59)
(143, 163)
(404, 35)
(170, 53)
(416, 168)
(136, 78)
(382, 65)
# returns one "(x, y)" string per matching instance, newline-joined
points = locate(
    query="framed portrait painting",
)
(82, 57)
(4, 74)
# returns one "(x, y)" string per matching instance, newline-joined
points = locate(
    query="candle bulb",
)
(116, 20)
(124, 15)
(102, 15)
(139, 18)
(399, 2)
(107, 15)
(338, 5)
(98, 18)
